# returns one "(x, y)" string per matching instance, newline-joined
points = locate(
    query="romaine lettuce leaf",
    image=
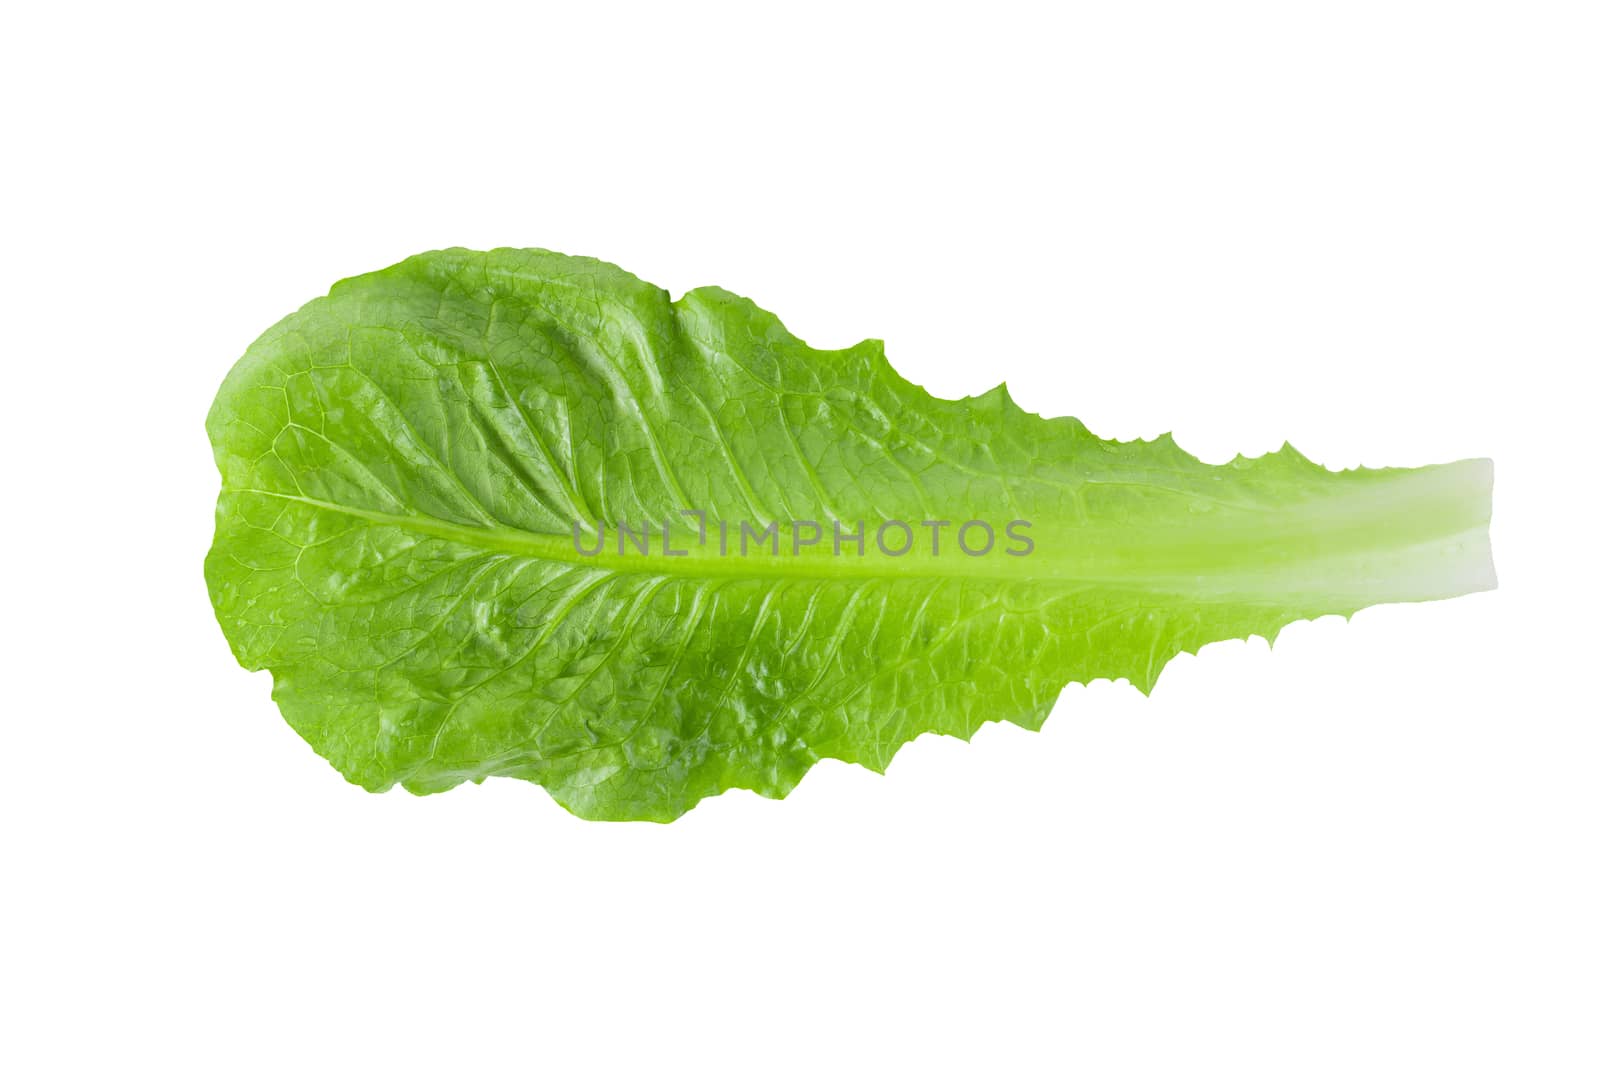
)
(405, 460)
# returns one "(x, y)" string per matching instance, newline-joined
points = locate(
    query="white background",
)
(1371, 228)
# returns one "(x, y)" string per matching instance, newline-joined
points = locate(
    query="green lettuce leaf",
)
(404, 461)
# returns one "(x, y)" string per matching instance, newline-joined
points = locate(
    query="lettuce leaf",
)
(417, 467)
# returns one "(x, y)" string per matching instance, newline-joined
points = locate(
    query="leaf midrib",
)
(558, 548)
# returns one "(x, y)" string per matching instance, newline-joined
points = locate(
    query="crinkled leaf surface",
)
(403, 461)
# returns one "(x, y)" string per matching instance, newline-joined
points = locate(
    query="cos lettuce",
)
(493, 513)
